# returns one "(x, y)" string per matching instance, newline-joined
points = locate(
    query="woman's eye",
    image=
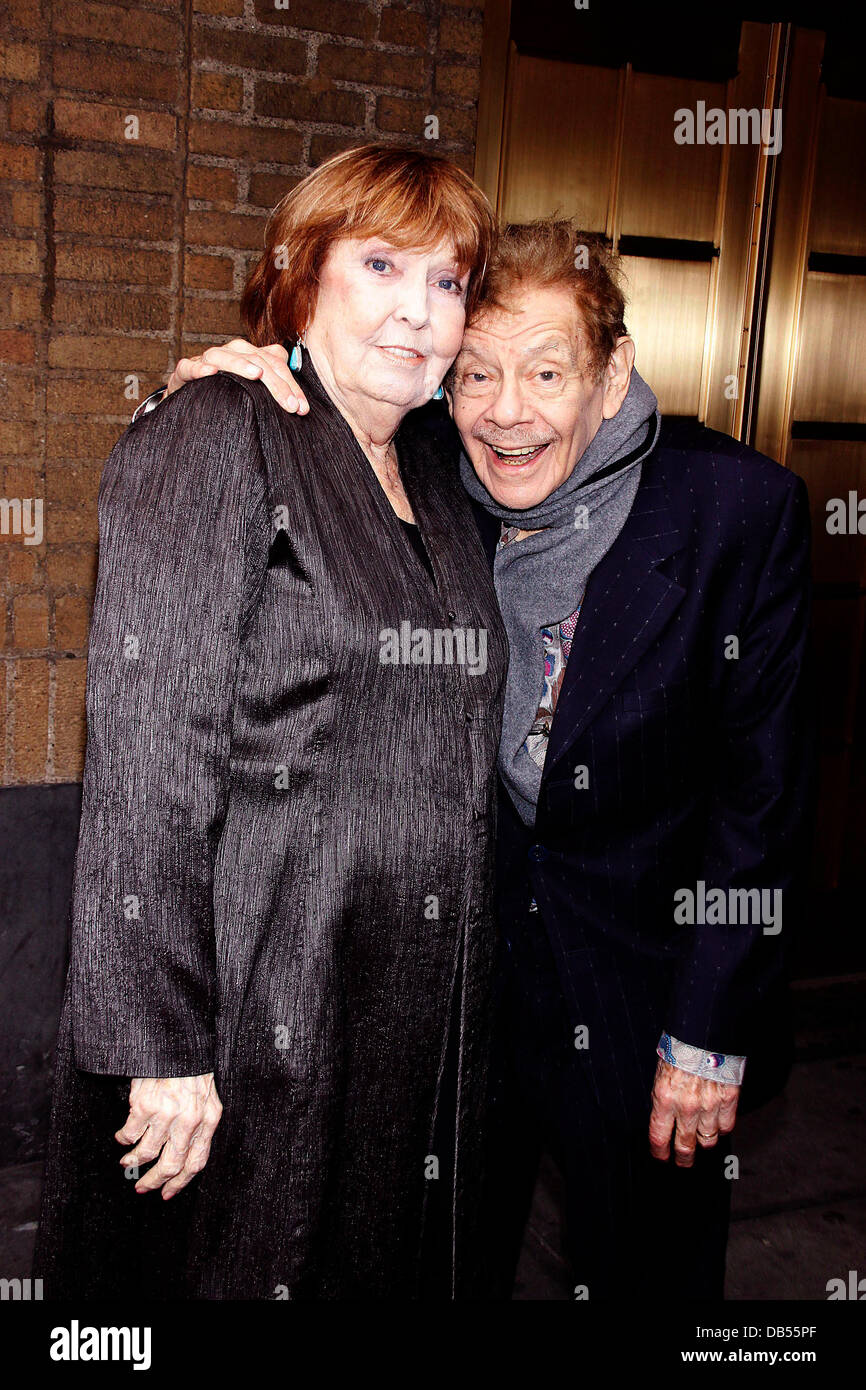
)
(448, 282)
(378, 263)
(547, 375)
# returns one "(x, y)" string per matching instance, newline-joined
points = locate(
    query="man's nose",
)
(509, 408)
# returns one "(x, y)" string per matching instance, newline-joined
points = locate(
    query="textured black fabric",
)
(413, 535)
(284, 863)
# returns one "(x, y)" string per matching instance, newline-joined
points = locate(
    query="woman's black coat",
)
(284, 860)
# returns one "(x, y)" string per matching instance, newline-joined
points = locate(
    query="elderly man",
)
(654, 766)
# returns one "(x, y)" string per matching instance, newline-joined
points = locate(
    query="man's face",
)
(525, 399)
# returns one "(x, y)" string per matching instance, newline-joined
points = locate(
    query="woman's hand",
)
(177, 1114)
(268, 364)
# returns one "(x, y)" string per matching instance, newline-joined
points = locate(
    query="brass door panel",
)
(830, 469)
(560, 136)
(831, 370)
(666, 316)
(664, 194)
(839, 205)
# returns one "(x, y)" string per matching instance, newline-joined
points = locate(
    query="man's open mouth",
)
(518, 458)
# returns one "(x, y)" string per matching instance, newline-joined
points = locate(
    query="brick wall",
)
(141, 146)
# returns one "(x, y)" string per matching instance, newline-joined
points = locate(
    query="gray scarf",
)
(541, 579)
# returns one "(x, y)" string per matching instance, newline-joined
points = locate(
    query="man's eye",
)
(548, 374)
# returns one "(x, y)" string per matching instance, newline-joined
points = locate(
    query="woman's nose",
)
(413, 304)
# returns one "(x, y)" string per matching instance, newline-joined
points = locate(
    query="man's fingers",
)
(661, 1128)
(728, 1109)
(686, 1135)
(708, 1126)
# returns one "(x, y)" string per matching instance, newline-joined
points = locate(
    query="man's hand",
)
(268, 364)
(177, 1114)
(698, 1110)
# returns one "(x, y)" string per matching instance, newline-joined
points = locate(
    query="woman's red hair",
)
(408, 197)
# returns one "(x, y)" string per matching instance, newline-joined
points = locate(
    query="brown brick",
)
(101, 121)
(231, 229)
(111, 309)
(217, 91)
(18, 437)
(28, 112)
(19, 62)
(323, 146)
(70, 725)
(355, 21)
(135, 170)
(71, 564)
(151, 221)
(18, 396)
(18, 257)
(297, 101)
(208, 272)
(398, 25)
(30, 720)
(266, 190)
(253, 52)
(256, 144)
(212, 184)
(452, 80)
(24, 14)
(232, 8)
(407, 117)
(18, 162)
(460, 34)
(30, 622)
(21, 479)
(215, 316)
(116, 77)
(87, 439)
(86, 396)
(71, 525)
(16, 347)
(22, 565)
(118, 24)
(26, 208)
(125, 353)
(71, 621)
(25, 302)
(372, 67)
(114, 264)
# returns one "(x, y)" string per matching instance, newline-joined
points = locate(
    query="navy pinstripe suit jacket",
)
(698, 768)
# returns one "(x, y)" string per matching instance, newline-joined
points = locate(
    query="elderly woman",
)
(281, 930)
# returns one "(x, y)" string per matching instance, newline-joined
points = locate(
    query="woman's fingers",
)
(173, 1120)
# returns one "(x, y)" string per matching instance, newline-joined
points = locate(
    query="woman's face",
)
(388, 322)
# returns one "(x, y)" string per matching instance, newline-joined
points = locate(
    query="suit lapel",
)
(626, 605)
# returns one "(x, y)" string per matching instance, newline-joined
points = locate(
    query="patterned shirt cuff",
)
(712, 1066)
(149, 403)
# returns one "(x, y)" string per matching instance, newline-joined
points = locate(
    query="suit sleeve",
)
(760, 804)
(183, 536)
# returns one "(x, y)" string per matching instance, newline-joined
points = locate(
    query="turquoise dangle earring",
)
(438, 393)
(296, 360)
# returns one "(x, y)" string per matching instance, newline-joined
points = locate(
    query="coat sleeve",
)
(760, 805)
(183, 540)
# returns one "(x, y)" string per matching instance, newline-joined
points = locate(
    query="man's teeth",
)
(517, 453)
